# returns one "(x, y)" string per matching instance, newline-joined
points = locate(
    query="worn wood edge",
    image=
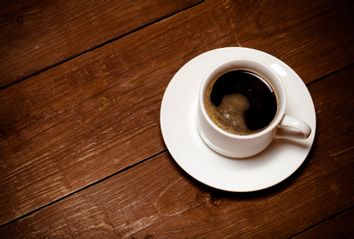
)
(327, 225)
(81, 189)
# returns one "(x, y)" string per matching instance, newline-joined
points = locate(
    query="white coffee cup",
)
(240, 146)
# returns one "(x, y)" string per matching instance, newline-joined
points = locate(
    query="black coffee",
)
(240, 102)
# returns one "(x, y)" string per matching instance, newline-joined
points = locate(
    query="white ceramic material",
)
(179, 123)
(240, 146)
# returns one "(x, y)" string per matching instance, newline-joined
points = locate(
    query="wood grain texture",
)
(38, 34)
(94, 115)
(155, 199)
(340, 226)
(313, 37)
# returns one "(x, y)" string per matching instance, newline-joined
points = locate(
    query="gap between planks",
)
(323, 221)
(81, 189)
(92, 48)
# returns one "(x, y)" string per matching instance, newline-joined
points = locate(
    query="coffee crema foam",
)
(229, 115)
(240, 103)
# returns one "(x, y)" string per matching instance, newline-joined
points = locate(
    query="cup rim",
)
(280, 95)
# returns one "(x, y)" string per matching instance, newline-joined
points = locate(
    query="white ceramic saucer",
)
(178, 125)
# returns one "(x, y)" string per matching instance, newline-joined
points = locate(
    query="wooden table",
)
(81, 152)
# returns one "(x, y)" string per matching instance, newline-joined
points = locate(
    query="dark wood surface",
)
(313, 37)
(81, 153)
(35, 35)
(336, 227)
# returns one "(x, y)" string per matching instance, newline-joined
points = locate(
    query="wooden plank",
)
(155, 199)
(96, 114)
(313, 37)
(38, 34)
(340, 226)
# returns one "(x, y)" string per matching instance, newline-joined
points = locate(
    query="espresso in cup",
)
(241, 106)
(240, 102)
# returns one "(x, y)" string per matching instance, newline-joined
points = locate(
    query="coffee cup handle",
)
(302, 129)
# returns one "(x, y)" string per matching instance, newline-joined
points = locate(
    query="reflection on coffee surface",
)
(239, 102)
